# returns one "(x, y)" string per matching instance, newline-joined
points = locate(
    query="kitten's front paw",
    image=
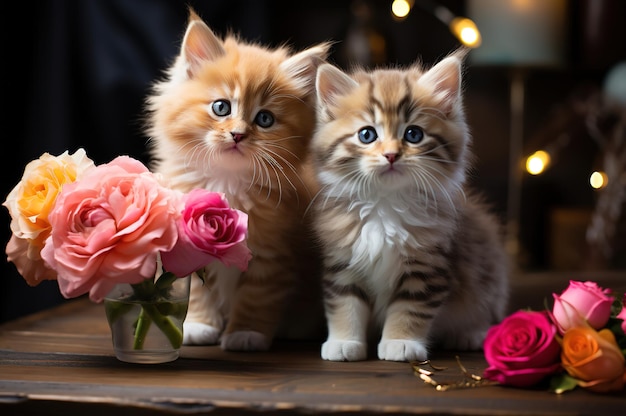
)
(196, 333)
(245, 341)
(344, 351)
(402, 350)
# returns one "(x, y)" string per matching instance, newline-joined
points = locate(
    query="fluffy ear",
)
(199, 44)
(331, 83)
(302, 66)
(445, 80)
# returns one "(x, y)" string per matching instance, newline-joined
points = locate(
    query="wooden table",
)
(61, 361)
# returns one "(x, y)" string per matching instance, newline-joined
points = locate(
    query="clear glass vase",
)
(146, 319)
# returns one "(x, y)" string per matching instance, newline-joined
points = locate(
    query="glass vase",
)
(146, 319)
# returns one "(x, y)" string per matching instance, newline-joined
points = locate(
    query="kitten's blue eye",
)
(413, 134)
(264, 119)
(367, 135)
(221, 107)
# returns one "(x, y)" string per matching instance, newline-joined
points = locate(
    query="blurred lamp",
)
(528, 33)
(519, 35)
(614, 86)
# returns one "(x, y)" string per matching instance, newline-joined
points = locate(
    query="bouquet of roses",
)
(579, 342)
(91, 227)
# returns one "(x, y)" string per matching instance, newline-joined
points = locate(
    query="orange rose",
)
(594, 359)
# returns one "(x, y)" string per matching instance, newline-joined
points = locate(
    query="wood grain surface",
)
(61, 361)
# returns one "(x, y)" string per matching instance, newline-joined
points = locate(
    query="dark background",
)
(76, 73)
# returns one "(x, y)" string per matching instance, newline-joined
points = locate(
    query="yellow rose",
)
(30, 202)
(594, 359)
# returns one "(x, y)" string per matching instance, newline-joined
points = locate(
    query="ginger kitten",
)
(237, 117)
(412, 257)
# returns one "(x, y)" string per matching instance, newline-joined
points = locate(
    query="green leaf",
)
(202, 274)
(561, 383)
(616, 306)
(615, 326)
(165, 280)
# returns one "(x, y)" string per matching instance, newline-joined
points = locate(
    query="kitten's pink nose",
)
(237, 137)
(391, 157)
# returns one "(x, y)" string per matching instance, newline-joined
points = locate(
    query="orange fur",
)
(261, 170)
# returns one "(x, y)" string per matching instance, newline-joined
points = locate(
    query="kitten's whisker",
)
(349, 183)
(444, 191)
(263, 177)
(311, 203)
(279, 182)
(426, 188)
(292, 168)
(256, 172)
(288, 164)
(283, 159)
(278, 169)
(331, 194)
(431, 180)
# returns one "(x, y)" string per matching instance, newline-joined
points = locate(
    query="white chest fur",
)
(392, 229)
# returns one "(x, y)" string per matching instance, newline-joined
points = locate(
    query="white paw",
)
(402, 350)
(344, 351)
(196, 333)
(245, 341)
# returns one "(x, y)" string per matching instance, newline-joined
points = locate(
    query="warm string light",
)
(539, 161)
(400, 8)
(598, 180)
(466, 31)
(462, 28)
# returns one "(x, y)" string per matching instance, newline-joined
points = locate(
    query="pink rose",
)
(108, 228)
(522, 350)
(582, 302)
(622, 314)
(208, 230)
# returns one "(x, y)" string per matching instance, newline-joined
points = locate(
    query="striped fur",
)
(412, 258)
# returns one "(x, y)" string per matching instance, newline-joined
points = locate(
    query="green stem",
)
(165, 324)
(143, 325)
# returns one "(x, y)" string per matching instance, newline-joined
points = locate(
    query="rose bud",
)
(581, 304)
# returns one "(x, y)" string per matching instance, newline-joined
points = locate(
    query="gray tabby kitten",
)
(411, 256)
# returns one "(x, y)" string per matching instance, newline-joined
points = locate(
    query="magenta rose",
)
(108, 228)
(522, 350)
(582, 302)
(208, 230)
